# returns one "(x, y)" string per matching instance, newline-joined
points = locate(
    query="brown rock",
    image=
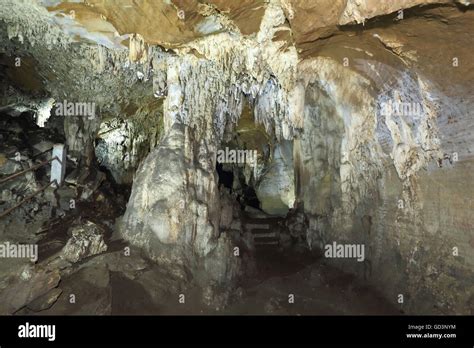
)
(22, 292)
(45, 301)
(246, 14)
(3, 159)
(311, 20)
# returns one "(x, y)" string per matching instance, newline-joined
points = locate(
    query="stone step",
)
(269, 245)
(268, 220)
(266, 235)
(266, 240)
(257, 226)
(257, 213)
(260, 232)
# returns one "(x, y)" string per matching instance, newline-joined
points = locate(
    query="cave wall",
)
(394, 184)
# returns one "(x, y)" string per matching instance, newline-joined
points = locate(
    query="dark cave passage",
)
(226, 177)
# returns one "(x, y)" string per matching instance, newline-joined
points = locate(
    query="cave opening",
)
(226, 177)
(271, 227)
(249, 198)
(233, 180)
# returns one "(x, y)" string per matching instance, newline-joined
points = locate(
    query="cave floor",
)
(317, 289)
(283, 283)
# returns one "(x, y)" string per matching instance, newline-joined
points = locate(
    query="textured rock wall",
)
(69, 71)
(389, 181)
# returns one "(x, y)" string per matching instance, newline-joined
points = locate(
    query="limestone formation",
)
(360, 112)
(86, 240)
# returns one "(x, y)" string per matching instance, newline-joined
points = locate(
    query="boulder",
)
(45, 301)
(87, 239)
(33, 283)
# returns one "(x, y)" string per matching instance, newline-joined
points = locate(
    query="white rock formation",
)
(276, 188)
(87, 239)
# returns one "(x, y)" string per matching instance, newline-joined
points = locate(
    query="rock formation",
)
(361, 110)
